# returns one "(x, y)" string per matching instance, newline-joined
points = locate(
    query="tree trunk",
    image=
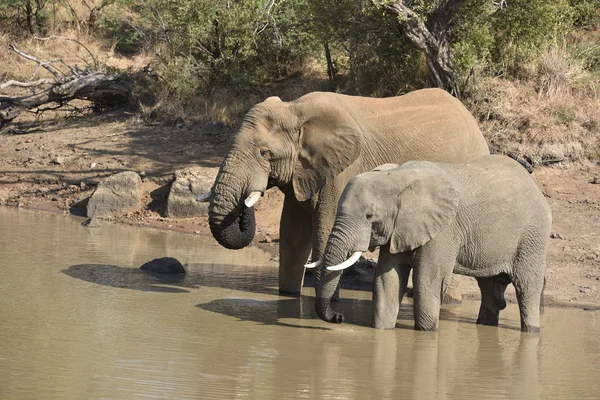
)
(330, 68)
(432, 41)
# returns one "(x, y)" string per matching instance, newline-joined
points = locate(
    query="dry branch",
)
(92, 83)
(96, 64)
(44, 64)
(39, 82)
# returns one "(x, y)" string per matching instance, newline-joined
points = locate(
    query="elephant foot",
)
(426, 328)
(488, 317)
(288, 292)
(379, 324)
(530, 329)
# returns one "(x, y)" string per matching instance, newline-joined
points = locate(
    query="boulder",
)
(187, 185)
(165, 265)
(116, 195)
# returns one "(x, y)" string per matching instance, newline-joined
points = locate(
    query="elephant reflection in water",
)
(456, 364)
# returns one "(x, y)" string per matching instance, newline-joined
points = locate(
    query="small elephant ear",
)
(272, 99)
(426, 205)
(330, 140)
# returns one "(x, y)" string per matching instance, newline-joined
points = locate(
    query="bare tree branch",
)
(500, 4)
(44, 64)
(96, 64)
(39, 82)
(267, 8)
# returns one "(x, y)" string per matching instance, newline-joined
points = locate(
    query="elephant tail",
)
(524, 163)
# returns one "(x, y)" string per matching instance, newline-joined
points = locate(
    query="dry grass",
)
(553, 113)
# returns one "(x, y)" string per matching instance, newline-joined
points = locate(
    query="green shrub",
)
(585, 13)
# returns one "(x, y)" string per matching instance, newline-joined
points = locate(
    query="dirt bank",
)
(55, 170)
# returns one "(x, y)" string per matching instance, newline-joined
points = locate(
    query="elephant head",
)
(278, 143)
(400, 206)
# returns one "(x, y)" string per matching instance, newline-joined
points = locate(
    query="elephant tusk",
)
(204, 197)
(349, 262)
(314, 264)
(252, 199)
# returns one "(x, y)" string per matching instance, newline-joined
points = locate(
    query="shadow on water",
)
(127, 278)
(244, 278)
(250, 279)
(268, 312)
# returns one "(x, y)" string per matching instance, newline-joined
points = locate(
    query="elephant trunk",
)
(341, 243)
(326, 313)
(232, 224)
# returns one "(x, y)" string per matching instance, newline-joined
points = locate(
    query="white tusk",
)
(252, 199)
(204, 197)
(349, 262)
(314, 264)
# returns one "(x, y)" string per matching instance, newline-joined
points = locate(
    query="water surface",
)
(79, 320)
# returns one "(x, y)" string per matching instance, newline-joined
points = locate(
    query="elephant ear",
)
(330, 140)
(426, 205)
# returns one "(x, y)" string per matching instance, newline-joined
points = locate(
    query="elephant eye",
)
(266, 153)
(369, 216)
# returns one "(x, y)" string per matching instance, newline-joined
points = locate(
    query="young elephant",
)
(486, 219)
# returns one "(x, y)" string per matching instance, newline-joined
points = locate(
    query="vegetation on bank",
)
(527, 69)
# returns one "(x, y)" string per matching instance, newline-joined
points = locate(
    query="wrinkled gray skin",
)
(486, 219)
(312, 146)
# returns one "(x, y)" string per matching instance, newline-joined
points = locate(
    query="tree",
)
(432, 37)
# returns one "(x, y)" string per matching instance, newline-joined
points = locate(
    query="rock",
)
(557, 236)
(187, 185)
(165, 265)
(585, 289)
(116, 195)
(267, 239)
(58, 160)
(595, 181)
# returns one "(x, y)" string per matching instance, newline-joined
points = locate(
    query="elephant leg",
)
(386, 292)
(492, 300)
(403, 274)
(295, 232)
(529, 289)
(452, 294)
(432, 273)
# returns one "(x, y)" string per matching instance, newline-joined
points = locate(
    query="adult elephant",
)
(312, 146)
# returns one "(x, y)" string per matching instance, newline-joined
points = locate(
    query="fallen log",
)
(91, 83)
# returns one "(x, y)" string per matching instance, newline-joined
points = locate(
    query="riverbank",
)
(56, 170)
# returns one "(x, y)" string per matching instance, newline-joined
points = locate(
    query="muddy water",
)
(78, 320)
